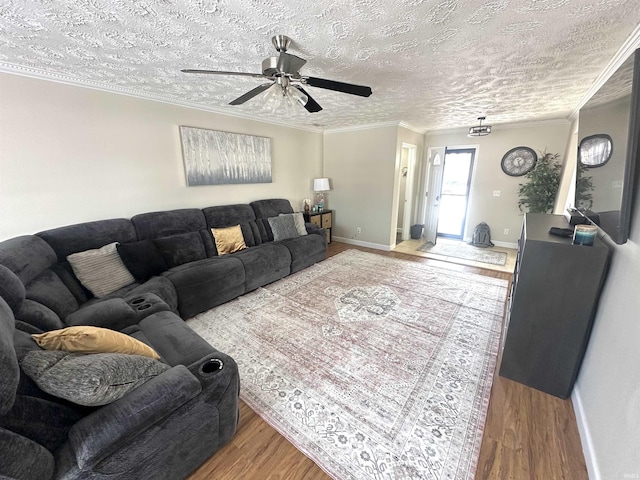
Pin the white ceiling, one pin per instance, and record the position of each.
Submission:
(433, 64)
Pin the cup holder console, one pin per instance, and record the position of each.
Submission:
(146, 304)
(211, 366)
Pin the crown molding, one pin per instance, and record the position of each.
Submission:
(413, 129)
(369, 126)
(627, 48)
(19, 70)
(503, 126)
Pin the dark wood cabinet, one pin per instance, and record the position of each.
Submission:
(322, 219)
(551, 308)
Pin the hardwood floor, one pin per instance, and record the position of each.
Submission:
(528, 435)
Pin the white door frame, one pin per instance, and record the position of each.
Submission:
(431, 188)
(408, 195)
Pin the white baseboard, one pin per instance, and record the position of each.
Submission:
(585, 436)
(360, 243)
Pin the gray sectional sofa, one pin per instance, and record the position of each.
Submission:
(169, 425)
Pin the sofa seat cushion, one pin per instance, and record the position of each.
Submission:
(203, 284)
(305, 251)
(264, 264)
(90, 380)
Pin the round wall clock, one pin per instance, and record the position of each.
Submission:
(519, 161)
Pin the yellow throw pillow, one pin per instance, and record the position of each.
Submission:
(228, 240)
(85, 339)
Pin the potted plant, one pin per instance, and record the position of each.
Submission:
(584, 188)
(538, 194)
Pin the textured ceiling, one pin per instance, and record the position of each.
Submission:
(433, 64)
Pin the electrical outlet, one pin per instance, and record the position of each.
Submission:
(506, 231)
(358, 230)
(496, 193)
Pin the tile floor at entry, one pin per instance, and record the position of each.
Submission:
(411, 247)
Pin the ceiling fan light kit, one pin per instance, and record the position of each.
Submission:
(285, 89)
(480, 130)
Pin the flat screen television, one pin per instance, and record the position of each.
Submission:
(608, 150)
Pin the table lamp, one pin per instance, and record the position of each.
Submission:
(320, 186)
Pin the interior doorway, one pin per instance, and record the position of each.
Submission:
(454, 192)
(405, 192)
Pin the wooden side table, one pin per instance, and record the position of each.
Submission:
(322, 219)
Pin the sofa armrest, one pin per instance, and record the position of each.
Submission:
(114, 313)
(95, 436)
(215, 372)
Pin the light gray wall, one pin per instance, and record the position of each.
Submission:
(607, 393)
(70, 154)
(501, 212)
(361, 165)
(364, 166)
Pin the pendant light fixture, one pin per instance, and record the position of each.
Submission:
(480, 130)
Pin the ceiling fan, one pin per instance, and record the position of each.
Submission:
(286, 82)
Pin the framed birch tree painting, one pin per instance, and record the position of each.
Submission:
(212, 157)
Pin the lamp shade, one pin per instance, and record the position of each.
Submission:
(321, 185)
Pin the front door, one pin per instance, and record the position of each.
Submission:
(456, 184)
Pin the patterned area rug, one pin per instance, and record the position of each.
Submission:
(466, 251)
(374, 367)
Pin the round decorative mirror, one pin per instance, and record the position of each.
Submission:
(595, 150)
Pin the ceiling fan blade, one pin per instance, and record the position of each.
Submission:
(250, 94)
(221, 72)
(312, 106)
(359, 90)
(288, 63)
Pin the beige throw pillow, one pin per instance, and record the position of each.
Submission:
(101, 270)
(298, 220)
(228, 240)
(86, 339)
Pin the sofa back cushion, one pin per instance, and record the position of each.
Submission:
(11, 288)
(153, 225)
(49, 290)
(224, 216)
(264, 209)
(88, 236)
(142, 259)
(182, 248)
(27, 256)
(8, 360)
